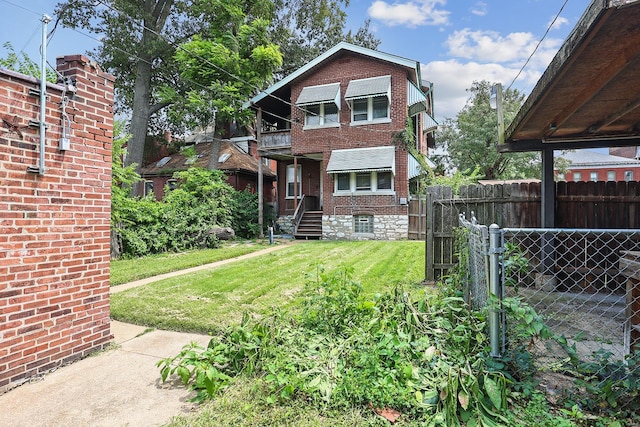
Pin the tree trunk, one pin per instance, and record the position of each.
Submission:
(215, 154)
(155, 16)
(140, 117)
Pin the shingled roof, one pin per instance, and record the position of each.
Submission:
(231, 159)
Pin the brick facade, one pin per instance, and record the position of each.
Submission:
(54, 240)
(292, 136)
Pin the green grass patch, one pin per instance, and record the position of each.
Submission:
(210, 300)
(243, 405)
(129, 270)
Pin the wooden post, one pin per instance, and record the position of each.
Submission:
(548, 199)
(295, 183)
(260, 174)
(428, 241)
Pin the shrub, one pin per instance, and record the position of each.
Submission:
(182, 220)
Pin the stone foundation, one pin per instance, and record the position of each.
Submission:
(285, 224)
(385, 227)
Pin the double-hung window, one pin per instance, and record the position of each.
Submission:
(320, 105)
(325, 114)
(369, 100)
(294, 178)
(363, 170)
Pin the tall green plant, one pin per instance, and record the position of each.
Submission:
(183, 220)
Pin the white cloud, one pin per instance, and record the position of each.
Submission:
(480, 9)
(452, 78)
(560, 22)
(411, 13)
(490, 46)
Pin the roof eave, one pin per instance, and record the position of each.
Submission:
(408, 63)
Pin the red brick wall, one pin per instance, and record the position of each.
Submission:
(602, 173)
(344, 69)
(54, 238)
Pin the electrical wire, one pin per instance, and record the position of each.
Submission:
(194, 55)
(538, 45)
(222, 70)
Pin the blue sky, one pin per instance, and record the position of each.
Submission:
(456, 41)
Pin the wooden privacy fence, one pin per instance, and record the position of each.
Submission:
(591, 205)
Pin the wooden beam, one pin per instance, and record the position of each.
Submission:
(527, 145)
(591, 21)
(613, 117)
(592, 89)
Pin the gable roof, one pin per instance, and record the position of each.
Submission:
(342, 46)
(234, 158)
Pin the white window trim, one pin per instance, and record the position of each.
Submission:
(374, 186)
(172, 181)
(299, 182)
(146, 190)
(322, 124)
(370, 118)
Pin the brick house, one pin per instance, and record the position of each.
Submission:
(55, 204)
(235, 160)
(588, 165)
(331, 127)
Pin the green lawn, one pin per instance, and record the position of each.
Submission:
(207, 301)
(128, 270)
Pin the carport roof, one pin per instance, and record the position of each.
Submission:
(589, 96)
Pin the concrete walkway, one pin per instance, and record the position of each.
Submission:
(117, 387)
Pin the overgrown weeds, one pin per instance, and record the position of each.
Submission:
(424, 358)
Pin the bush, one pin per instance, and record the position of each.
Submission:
(183, 220)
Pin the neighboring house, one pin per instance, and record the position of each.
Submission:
(235, 160)
(331, 125)
(628, 152)
(588, 165)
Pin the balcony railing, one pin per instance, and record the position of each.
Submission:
(275, 140)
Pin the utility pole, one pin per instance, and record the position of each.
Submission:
(495, 101)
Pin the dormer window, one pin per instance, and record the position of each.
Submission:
(321, 105)
(370, 100)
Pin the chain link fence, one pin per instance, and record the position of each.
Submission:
(585, 284)
(477, 280)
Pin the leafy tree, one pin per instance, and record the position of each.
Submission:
(230, 60)
(139, 46)
(471, 138)
(138, 41)
(23, 64)
(306, 28)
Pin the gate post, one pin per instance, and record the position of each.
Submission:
(495, 249)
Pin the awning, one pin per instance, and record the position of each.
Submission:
(416, 99)
(414, 168)
(428, 122)
(319, 94)
(362, 160)
(366, 88)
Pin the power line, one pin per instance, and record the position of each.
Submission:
(537, 45)
(194, 55)
(220, 69)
